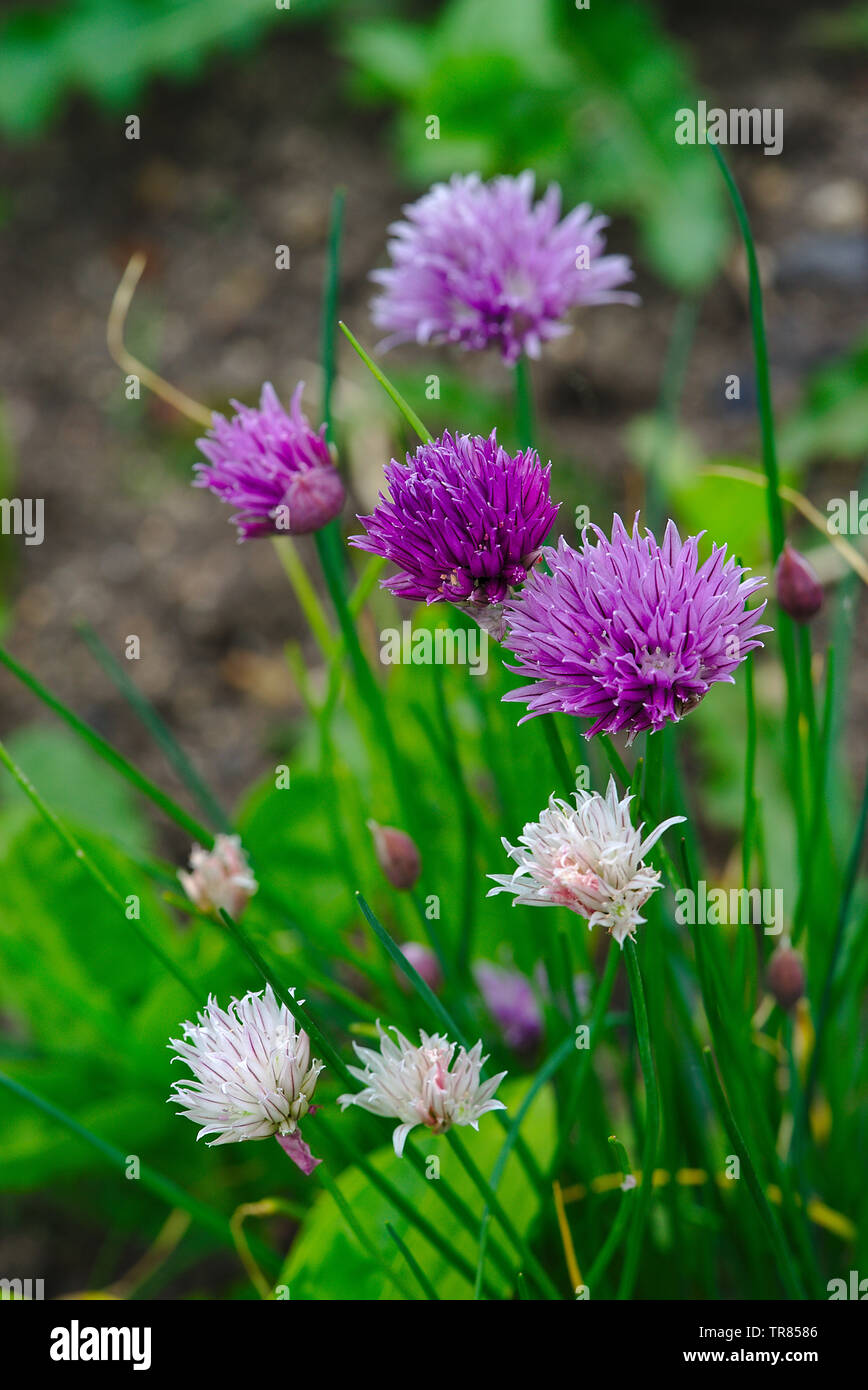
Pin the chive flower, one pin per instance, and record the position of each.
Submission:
(464, 522)
(253, 1075)
(273, 467)
(628, 633)
(589, 858)
(481, 264)
(435, 1085)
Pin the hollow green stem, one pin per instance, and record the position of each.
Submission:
(652, 1125)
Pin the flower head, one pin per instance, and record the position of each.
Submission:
(253, 1074)
(219, 878)
(587, 857)
(465, 521)
(273, 467)
(421, 1086)
(481, 264)
(629, 633)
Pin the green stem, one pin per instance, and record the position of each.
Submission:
(84, 859)
(544, 1075)
(764, 390)
(424, 1282)
(406, 410)
(332, 1186)
(158, 729)
(595, 1029)
(108, 754)
(621, 1222)
(405, 1207)
(154, 1182)
(773, 501)
(495, 1206)
(524, 414)
(652, 1125)
(767, 1216)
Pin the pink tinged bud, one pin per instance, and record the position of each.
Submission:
(219, 879)
(786, 977)
(799, 591)
(397, 855)
(295, 1148)
(313, 499)
(424, 962)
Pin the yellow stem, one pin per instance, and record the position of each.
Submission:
(117, 347)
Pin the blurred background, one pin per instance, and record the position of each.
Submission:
(250, 116)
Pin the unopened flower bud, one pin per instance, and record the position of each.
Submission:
(397, 855)
(799, 591)
(424, 962)
(512, 1003)
(786, 977)
(220, 878)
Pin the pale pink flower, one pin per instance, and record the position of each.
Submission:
(421, 1086)
(219, 878)
(253, 1075)
(589, 858)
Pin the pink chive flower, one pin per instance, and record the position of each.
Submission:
(219, 879)
(465, 522)
(481, 264)
(628, 633)
(432, 1085)
(588, 858)
(273, 467)
(253, 1075)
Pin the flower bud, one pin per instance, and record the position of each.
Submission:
(785, 977)
(424, 962)
(397, 855)
(510, 999)
(313, 499)
(220, 878)
(799, 591)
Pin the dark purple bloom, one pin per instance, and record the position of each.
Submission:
(512, 1003)
(273, 467)
(465, 521)
(628, 633)
(481, 264)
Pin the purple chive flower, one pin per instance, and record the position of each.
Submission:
(510, 999)
(481, 264)
(629, 633)
(273, 467)
(465, 521)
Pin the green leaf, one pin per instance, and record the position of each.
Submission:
(317, 1266)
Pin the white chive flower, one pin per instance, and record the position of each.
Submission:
(253, 1074)
(219, 878)
(421, 1086)
(587, 857)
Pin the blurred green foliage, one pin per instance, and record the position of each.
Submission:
(110, 48)
(587, 99)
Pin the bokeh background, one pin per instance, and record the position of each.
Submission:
(250, 117)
